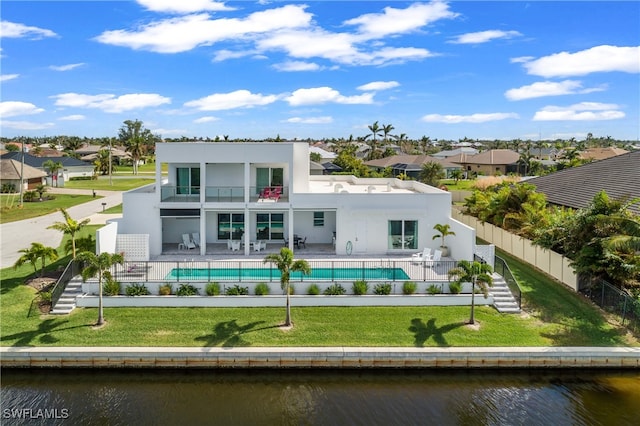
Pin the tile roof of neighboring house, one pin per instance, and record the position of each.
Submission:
(619, 176)
(602, 153)
(37, 162)
(451, 152)
(323, 153)
(10, 170)
(410, 159)
(493, 157)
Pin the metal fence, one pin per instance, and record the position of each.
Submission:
(502, 268)
(612, 300)
(256, 270)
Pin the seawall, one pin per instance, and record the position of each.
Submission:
(316, 357)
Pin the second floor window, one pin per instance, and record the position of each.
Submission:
(188, 180)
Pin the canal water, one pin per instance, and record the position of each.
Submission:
(320, 397)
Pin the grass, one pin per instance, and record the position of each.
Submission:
(39, 208)
(144, 168)
(462, 185)
(102, 183)
(557, 317)
(113, 210)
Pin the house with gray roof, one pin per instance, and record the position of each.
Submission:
(71, 167)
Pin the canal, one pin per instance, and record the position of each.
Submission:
(320, 397)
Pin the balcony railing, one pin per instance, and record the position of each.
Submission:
(224, 194)
(271, 194)
(180, 193)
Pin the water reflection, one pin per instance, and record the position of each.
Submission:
(322, 397)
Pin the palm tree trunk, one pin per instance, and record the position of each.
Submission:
(473, 294)
(100, 313)
(287, 320)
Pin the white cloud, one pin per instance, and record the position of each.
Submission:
(398, 21)
(473, 118)
(7, 77)
(13, 108)
(205, 120)
(67, 67)
(584, 111)
(111, 103)
(187, 32)
(232, 100)
(26, 125)
(597, 59)
(484, 36)
(173, 6)
(548, 88)
(310, 120)
(378, 85)
(74, 117)
(14, 30)
(297, 66)
(323, 95)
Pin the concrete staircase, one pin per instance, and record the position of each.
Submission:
(503, 299)
(67, 301)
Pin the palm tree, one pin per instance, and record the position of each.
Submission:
(98, 265)
(69, 227)
(375, 131)
(137, 140)
(431, 173)
(31, 255)
(477, 274)
(285, 263)
(386, 131)
(53, 167)
(457, 174)
(444, 230)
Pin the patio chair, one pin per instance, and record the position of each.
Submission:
(302, 243)
(437, 255)
(196, 238)
(235, 245)
(186, 240)
(421, 257)
(258, 245)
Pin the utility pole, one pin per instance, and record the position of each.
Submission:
(110, 171)
(22, 175)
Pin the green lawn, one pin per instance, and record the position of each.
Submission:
(462, 185)
(102, 183)
(556, 317)
(113, 210)
(38, 208)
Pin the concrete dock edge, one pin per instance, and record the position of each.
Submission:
(325, 357)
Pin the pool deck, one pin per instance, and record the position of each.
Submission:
(321, 357)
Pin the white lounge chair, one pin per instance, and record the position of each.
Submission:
(235, 245)
(437, 255)
(196, 239)
(186, 240)
(257, 246)
(229, 244)
(421, 257)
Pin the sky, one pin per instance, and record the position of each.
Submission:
(321, 69)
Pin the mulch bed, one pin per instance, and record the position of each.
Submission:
(44, 283)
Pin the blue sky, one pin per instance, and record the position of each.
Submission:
(322, 69)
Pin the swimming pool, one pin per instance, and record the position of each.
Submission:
(273, 274)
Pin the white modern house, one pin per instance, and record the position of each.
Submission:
(263, 192)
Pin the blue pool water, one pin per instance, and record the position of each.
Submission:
(273, 274)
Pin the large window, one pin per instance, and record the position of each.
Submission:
(267, 177)
(270, 226)
(318, 218)
(403, 234)
(188, 180)
(230, 226)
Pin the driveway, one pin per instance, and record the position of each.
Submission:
(18, 235)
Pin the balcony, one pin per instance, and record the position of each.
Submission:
(223, 194)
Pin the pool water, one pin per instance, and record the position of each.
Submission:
(273, 274)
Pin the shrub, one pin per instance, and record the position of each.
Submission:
(382, 289)
(45, 296)
(313, 290)
(409, 287)
(111, 287)
(360, 287)
(292, 289)
(8, 188)
(187, 290)
(434, 289)
(262, 289)
(212, 289)
(335, 289)
(165, 289)
(236, 290)
(136, 289)
(455, 287)
(29, 195)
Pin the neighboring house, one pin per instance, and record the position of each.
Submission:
(10, 175)
(411, 165)
(71, 167)
(325, 156)
(492, 162)
(90, 153)
(451, 152)
(596, 154)
(264, 191)
(575, 187)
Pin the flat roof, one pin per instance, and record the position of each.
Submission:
(345, 186)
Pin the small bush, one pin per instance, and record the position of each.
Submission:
(212, 289)
(111, 287)
(335, 289)
(434, 289)
(29, 195)
(82, 177)
(382, 289)
(313, 290)
(409, 287)
(8, 188)
(360, 287)
(165, 289)
(292, 289)
(262, 289)
(187, 290)
(136, 289)
(45, 296)
(236, 290)
(455, 287)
